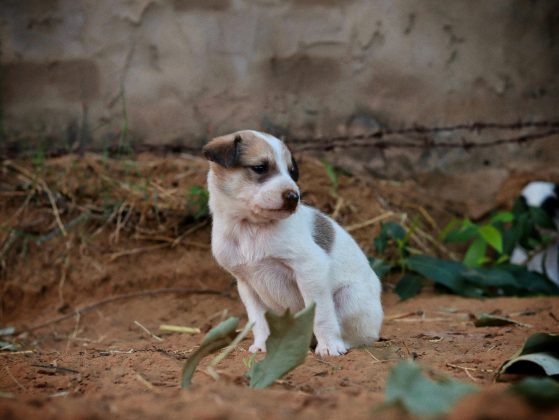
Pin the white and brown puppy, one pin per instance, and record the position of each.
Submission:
(285, 254)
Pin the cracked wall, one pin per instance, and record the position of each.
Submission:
(180, 71)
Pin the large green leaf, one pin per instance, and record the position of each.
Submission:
(409, 387)
(218, 337)
(529, 281)
(492, 236)
(547, 362)
(286, 346)
(539, 354)
(542, 392)
(409, 285)
(493, 276)
(446, 273)
(476, 253)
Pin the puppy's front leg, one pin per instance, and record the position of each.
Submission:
(256, 314)
(314, 288)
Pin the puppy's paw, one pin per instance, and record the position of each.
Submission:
(257, 347)
(333, 347)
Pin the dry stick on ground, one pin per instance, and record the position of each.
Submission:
(43, 185)
(134, 251)
(15, 380)
(54, 209)
(444, 250)
(148, 332)
(145, 382)
(21, 208)
(426, 215)
(369, 222)
(466, 370)
(407, 349)
(190, 231)
(404, 315)
(338, 207)
(143, 293)
(11, 353)
(64, 273)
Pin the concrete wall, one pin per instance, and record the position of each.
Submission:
(179, 70)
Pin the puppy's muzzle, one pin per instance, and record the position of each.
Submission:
(290, 200)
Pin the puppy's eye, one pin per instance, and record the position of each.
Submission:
(294, 171)
(260, 169)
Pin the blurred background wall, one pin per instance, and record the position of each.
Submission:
(179, 71)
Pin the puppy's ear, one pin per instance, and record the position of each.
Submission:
(224, 151)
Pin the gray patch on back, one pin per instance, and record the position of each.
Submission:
(323, 232)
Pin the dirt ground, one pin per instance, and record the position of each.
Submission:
(112, 360)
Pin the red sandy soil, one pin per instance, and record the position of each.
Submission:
(102, 364)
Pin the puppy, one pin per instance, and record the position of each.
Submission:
(546, 196)
(285, 254)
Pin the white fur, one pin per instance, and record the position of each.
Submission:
(536, 192)
(278, 265)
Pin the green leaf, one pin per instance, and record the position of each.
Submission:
(492, 276)
(286, 346)
(539, 354)
(548, 362)
(541, 218)
(502, 217)
(502, 259)
(453, 225)
(409, 286)
(389, 231)
(218, 337)
(462, 235)
(394, 230)
(476, 253)
(5, 346)
(530, 282)
(541, 392)
(419, 395)
(490, 320)
(7, 331)
(443, 272)
(492, 236)
(380, 267)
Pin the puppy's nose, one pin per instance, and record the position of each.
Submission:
(290, 200)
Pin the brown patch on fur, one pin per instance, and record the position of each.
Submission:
(254, 150)
(323, 232)
(224, 150)
(242, 148)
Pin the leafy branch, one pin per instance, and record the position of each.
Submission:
(485, 269)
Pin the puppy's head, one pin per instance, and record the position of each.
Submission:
(256, 173)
